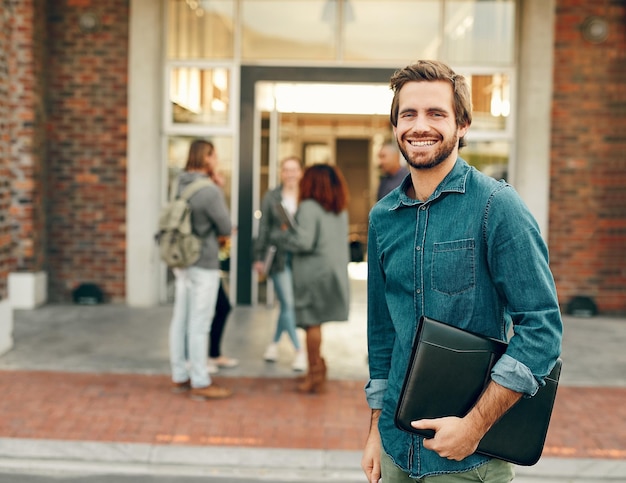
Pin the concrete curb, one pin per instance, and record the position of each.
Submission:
(263, 464)
(136, 458)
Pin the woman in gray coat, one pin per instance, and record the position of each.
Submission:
(319, 244)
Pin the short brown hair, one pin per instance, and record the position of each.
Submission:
(197, 152)
(428, 71)
(326, 185)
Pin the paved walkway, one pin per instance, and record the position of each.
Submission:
(89, 385)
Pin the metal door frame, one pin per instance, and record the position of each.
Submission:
(249, 76)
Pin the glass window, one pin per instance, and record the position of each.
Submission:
(391, 30)
(479, 31)
(491, 101)
(285, 29)
(200, 95)
(200, 29)
(474, 31)
(178, 150)
(490, 157)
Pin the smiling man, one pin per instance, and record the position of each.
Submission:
(462, 248)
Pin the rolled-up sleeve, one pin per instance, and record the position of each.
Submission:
(515, 376)
(375, 392)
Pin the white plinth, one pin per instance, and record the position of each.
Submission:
(28, 290)
(6, 326)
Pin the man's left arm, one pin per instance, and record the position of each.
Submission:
(520, 272)
(518, 264)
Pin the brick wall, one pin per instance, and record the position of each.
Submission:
(22, 138)
(588, 159)
(6, 239)
(28, 136)
(87, 147)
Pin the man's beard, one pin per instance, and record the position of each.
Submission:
(438, 157)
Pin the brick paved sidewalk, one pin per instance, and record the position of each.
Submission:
(131, 408)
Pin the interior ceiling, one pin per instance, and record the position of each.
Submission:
(313, 119)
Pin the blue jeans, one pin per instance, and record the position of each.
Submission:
(283, 285)
(194, 306)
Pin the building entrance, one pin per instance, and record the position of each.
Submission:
(268, 133)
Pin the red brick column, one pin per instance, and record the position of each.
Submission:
(28, 149)
(6, 238)
(23, 146)
(87, 76)
(588, 159)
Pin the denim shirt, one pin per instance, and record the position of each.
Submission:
(470, 256)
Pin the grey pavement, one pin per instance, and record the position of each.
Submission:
(120, 339)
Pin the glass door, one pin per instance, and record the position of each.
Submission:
(266, 159)
(319, 123)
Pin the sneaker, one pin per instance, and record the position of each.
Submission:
(299, 363)
(178, 387)
(225, 362)
(211, 367)
(210, 392)
(271, 353)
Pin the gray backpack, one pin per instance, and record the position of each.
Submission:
(178, 246)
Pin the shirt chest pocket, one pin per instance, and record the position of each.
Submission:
(453, 266)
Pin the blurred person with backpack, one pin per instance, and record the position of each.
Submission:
(197, 284)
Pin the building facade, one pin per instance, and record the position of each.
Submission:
(99, 99)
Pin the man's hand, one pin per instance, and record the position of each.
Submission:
(453, 438)
(371, 454)
(457, 438)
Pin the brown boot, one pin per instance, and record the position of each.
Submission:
(315, 381)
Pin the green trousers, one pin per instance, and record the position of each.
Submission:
(495, 471)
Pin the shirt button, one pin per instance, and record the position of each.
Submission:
(419, 290)
(423, 207)
(418, 248)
